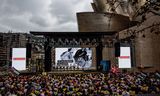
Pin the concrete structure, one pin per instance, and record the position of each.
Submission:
(124, 7)
(102, 22)
(144, 37)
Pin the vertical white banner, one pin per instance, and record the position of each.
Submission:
(124, 61)
(19, 58)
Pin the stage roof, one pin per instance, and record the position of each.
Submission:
(76, 34)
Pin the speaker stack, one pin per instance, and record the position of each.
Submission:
(117, 49)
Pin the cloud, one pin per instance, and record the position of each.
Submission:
(63, 12)
(40, 21)
(41, 15)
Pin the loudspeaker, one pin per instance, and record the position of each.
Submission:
(29, 49)
(99, 56)
(10, 54)
(117, 49)
(47, 62)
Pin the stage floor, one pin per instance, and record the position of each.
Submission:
(73, 71)
(61, 72)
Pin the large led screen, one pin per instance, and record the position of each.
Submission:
(19, 58)
(125, 58)
(79, 57)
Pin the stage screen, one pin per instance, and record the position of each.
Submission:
(19, 58)
(78, 57)
(125, 58)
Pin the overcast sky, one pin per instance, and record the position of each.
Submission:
(41, 15)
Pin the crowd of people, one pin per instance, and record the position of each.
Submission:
(88, 84)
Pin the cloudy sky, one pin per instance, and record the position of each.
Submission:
(41, 15)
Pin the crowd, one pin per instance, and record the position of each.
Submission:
(89, 84)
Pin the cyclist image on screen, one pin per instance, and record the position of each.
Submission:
(81, 58)
(67, 55)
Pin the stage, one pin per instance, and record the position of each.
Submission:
(61, 72)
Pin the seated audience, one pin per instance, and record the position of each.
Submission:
(91, 84)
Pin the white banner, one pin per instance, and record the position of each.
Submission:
(124, 61)
(19, 58)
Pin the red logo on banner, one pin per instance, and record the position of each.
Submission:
(19, 58)
(124, 57)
